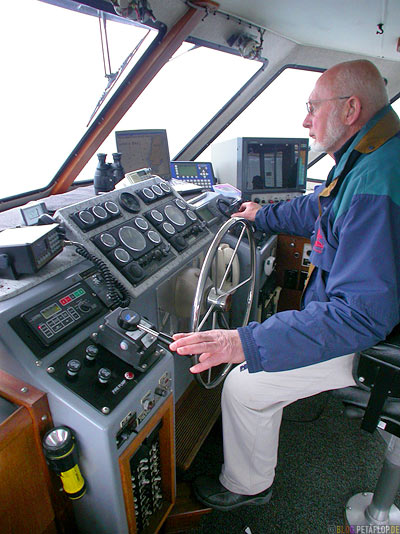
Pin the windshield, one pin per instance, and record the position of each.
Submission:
(55, 62)
(56, 77)
(183, 97)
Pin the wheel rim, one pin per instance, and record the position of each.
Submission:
(217, 301)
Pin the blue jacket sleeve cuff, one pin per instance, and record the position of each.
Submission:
(250, 350)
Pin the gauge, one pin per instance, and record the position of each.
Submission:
(111, 207)
(154, 236)
(175, 215)
(141, 223)
(168, 228)
(157, 190)
(156, 215)
(132, 238)
(108, 240)
(148, 193)
(165, 187)
(86, 217)
(121, 255)
(99, 212)
(129, 202)
(191, 215)
(180, 203)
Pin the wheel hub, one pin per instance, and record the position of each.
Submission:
(219, 300)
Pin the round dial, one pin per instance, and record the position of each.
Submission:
(99, 212)
(148, 193)
(129, 202)
(156, 215)
(132, 238)
(180, 203)
(175, 215)
(165, 187)
(167, 227)
(111, 207)
(191, 215)
(108, 240)
(157, 190)
(154, 236)
(121, 255)
(86, 217)
(141, 223)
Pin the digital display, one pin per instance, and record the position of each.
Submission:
(31, 214)
(144, 148)
(274, 164)
(50, 310)
(206, 214)
(186, 170)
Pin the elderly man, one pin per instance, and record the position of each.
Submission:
(352, 299)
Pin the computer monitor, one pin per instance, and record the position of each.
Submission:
(144, 148)
(261, 164)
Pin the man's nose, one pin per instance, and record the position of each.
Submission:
(307, 121)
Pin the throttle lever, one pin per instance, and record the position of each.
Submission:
(130, 320)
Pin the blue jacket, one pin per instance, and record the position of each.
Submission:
(352, 299)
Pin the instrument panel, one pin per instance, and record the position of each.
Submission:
(140, 233)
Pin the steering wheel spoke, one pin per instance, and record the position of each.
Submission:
(211, 307)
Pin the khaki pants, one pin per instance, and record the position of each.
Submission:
(252, 405)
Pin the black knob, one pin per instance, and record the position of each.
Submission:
(196, 229)
(104, 375)
(165, 250)
(136, 271)
(91, 352)
(128, 319)
(84, 306)
(157, 254)
(73, 368)
(179, 242)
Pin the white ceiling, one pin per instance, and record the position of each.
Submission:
(346, 25)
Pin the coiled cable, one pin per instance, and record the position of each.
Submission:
(117, 292)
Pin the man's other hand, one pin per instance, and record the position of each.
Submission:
(214, 346)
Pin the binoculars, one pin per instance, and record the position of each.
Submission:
(107, 175)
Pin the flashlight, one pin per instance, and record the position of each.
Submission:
(60, 449)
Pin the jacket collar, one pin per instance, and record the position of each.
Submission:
(383, 125)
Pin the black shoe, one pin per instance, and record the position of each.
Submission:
(212, 493)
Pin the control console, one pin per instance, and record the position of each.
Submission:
(140, 232)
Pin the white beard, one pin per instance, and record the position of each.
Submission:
(334, 132)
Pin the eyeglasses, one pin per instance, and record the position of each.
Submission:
(310, 104)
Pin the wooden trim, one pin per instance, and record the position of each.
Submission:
(117, 109)
(35, 401)
(167, 458)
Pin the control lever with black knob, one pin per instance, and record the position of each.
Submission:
(130, 320)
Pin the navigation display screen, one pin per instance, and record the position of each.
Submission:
(144, 148)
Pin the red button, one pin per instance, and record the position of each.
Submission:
(129, 375)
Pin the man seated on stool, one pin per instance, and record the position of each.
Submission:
(352, 297)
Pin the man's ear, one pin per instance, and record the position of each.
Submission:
(352, 110)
